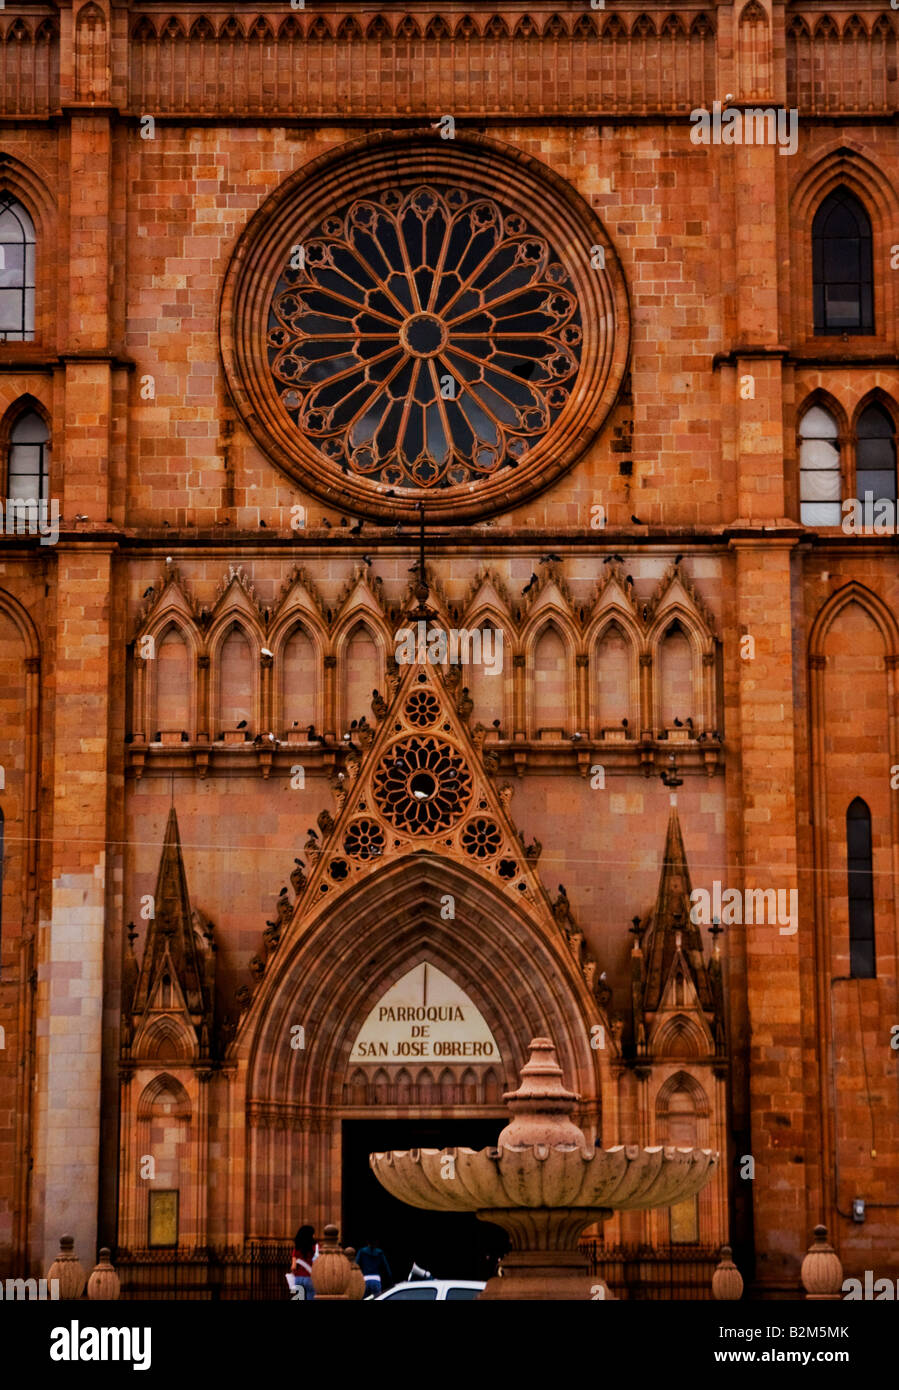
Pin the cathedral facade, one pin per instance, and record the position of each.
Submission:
(449, 531)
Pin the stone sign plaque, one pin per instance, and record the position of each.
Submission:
(425, 1017)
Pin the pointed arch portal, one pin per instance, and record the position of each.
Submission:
(315, 1111)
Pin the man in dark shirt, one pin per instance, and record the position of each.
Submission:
(373, 1263)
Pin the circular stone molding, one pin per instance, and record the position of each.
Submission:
(408, 319)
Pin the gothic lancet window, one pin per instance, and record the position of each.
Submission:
(29, 459)
(820, 484)
(842, 266)
(875, 455)
(862, 965)
(16, 272)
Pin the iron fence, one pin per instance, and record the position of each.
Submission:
(254, 1272)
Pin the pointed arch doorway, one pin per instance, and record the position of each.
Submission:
(314, 1113)
(424, 1072)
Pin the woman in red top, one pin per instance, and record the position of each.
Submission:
(305, 1251)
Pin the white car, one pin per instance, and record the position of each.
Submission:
(429, 1290)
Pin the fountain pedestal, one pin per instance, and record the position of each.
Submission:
(543, 1184)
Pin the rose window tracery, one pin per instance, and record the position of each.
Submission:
(422, 785)
(481, 838)
(422, 708)
(424, 338)
(364, 839)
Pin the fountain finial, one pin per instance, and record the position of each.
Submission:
(541, 1105)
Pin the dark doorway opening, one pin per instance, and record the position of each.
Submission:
(449, 1245)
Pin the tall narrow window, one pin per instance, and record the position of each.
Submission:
(875, 455)
(842, 266)
(862, 965)
(16, 272)
(819, 469)
(29, 459)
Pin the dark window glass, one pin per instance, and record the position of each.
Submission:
(841, 266)
(456, 1295)
(29, 459)
(875, 455)
(16, 272)
(861, 891)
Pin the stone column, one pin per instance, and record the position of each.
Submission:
(766, 698)
(70, 968)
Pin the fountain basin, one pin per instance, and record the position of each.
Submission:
(543, 1184)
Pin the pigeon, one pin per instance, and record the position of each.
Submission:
(689, 723)
(530, 584)
(548, 559)
(242, 724)
(326, 523)
(283, 893)
(678, 723)
(148, 593)
(624, 723)
(629, 580)
(636, 520)
(677, 559)
(356, 528)
(367, 560)
(313, 737)
(343, 521)
(576, 738)
(261, 522)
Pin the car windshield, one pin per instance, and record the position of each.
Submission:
(455, 1293)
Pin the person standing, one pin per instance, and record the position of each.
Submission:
(373, 1263)
(305, 1252)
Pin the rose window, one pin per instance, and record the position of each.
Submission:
(424, 338)
(481, 838)
(422, 708)
(422, 785)
(364, 839)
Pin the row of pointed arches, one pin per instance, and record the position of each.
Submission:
(410, 26)
(619, 673)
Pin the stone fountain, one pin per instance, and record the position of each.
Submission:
(543, 1184)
